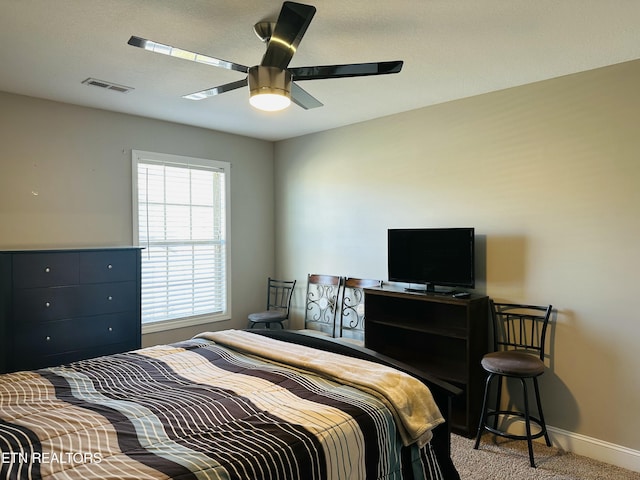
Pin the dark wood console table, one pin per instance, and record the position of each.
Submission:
(440, 335)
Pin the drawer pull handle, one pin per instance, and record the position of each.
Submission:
(110, 329)
(47, 270)
(109, 298)
(109, 267)
(48, 338)
(47, 304)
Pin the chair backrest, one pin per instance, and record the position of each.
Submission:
(323, 292)
(279, 294)
(520, 327)
(352, 306)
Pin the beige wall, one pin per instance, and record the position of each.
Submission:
(65, 181)
(548, 174)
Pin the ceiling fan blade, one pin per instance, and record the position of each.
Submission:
(184, 54)
(349, 70)
(216, 90)
(291, 26)
(302, 98)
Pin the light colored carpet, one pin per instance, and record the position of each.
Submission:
(504, 459)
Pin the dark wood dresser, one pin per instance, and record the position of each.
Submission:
(59, 306)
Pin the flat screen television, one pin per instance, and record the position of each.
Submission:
(432, 256)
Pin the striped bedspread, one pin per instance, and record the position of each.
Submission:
(198, 410)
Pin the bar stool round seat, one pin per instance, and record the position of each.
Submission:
(267, 317)
(513, 364)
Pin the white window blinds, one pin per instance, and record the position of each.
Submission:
(182, 225)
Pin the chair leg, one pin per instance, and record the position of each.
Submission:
(543, 423)
(498, 402)
(483, 416)
(527, 421)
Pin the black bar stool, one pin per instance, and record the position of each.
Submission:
(519, 333)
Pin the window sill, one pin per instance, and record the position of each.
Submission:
(152, 327)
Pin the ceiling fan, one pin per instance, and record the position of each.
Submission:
(272, 83)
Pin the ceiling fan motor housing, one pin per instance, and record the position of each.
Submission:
(269, 80)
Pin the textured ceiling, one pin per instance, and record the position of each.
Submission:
(451, 50)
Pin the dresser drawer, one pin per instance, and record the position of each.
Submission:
(108, 266)
(107, 298)
(74, 334)
(45, 269)
(37, 305)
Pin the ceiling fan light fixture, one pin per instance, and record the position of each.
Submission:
(270, 88)
(270, 102)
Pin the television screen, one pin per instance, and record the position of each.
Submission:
(432, 256)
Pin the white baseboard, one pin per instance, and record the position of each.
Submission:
(593, 448)
(582, 445)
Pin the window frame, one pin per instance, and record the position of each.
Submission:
(139, 156)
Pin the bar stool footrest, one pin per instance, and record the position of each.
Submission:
(502, 433)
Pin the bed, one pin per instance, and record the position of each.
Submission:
(267, 404)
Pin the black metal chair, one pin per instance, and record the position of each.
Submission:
(323, 292)
(519, 333)
(279, 294)
(352, 307)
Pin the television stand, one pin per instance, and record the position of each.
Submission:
(440, 335)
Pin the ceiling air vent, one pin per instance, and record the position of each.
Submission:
(107, 85)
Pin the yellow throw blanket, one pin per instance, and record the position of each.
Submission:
(409, 400)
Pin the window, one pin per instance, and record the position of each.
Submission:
(181, 219)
